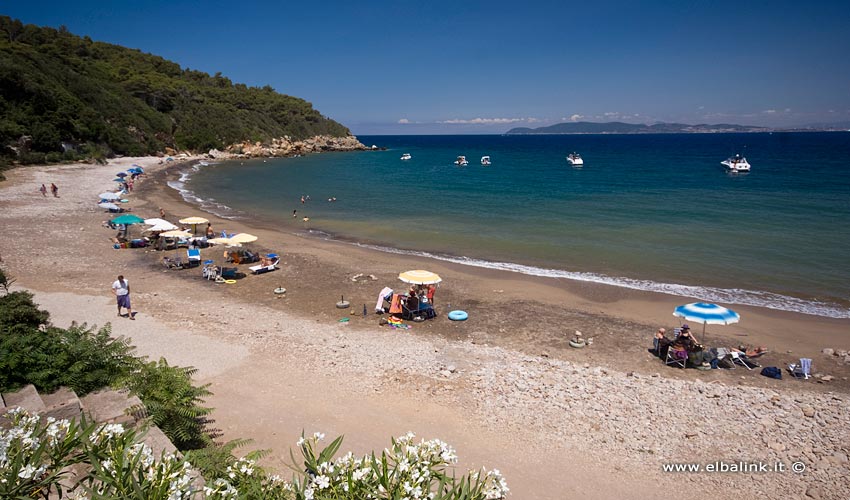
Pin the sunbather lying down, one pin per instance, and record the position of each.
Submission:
(751, 352)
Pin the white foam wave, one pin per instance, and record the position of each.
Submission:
(709, 294)
(207, 205)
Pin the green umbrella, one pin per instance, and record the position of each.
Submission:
(128, 219)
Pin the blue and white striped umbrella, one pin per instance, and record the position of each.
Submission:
(701, 312)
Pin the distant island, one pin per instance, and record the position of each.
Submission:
(663, 128)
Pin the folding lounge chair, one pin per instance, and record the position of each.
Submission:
(210, 271)
(740, 358)
(675, 359)
(193, 257)
(802, 370)
(385, 295)
(260, 269)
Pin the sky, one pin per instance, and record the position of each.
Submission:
(448, 67)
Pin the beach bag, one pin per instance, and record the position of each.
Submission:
(772, 372)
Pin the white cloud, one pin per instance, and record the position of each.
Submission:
(404, 120)
(612, 113)
(769, 111)
(487, 121)
(576, 117)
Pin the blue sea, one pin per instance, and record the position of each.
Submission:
(649, 212)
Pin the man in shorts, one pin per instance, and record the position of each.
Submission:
(121, 289)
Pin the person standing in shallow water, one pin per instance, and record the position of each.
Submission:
(55, 190)
(121, 289)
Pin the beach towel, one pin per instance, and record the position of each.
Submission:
(397, 323)
(395, 304)
(386, 292)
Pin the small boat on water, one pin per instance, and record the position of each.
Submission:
(203, 163)
(485, 160)
(575, 159)
(406, 156)
(736, 163)
(461, 161)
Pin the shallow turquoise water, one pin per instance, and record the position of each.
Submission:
(651, 212)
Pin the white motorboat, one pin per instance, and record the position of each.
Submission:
(485, 160)
(736, 163)
(406, 156)
(461, 161)
(575, 159)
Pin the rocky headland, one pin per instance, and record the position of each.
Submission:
(286, 146)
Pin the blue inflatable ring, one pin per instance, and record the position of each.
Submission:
(458, 315)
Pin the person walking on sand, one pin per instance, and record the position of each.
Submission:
(54, 189)
(121, 289)
(43, 190)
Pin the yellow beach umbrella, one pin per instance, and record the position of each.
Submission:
(420, 277)
(244, 238)
(224, 241)
(177, 233)
(194, 221)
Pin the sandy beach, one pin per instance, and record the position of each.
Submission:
(504, 387)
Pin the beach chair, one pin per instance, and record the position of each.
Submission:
(210, 271)
(260, 269)
(193, 257)
(740, 358)
(172, 262)
(723, 354)
(676, 357)
(802, 370)
(385, 295)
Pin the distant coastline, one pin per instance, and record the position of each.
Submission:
(569, 128)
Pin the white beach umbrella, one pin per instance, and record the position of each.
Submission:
(162, 226)
(108, 206)
(109, 196)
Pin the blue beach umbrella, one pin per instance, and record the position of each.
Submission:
(121, 174)
(702, 312)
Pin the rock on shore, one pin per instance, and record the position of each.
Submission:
(285, 146)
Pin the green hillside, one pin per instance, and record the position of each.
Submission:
(64, 97)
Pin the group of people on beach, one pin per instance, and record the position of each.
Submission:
(53, 189)
(687, 350)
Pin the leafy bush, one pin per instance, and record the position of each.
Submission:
(34, 352)
(172, 402)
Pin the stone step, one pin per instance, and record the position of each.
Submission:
(113, 407)
(27, 398)
(63, 403)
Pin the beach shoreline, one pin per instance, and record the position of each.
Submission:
(515, 342)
